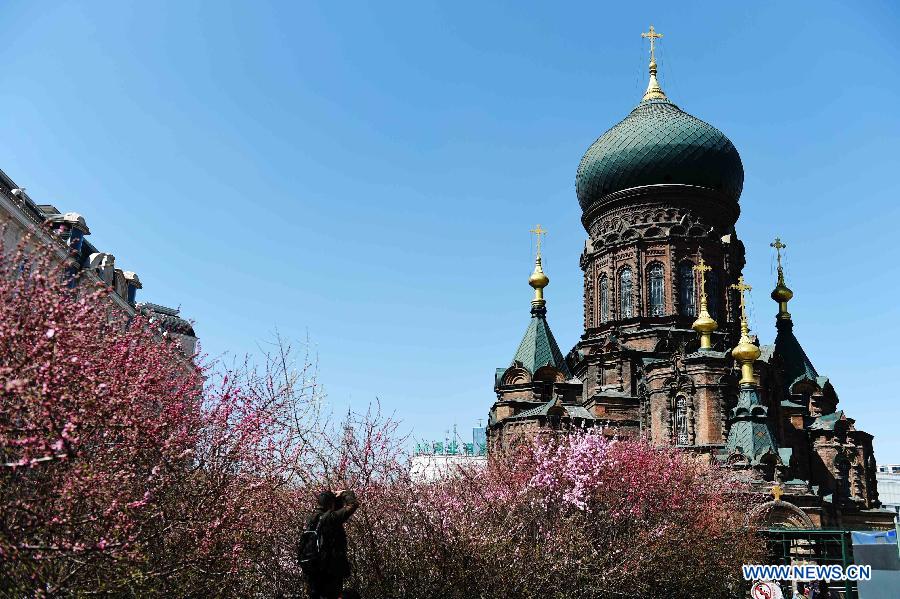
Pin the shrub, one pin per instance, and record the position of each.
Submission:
(578, 516)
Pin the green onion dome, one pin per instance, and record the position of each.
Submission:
(658, 143)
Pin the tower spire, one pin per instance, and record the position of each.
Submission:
(781, 294)
(654, 91)
(704, 324)
(746, 353)
(538, 280)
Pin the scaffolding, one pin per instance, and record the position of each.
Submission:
(813, 546)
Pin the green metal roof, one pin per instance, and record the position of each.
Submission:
(749, 432)
(658, 143)
(827, 422)
(538, 347)
(796, 363)
(544, 409)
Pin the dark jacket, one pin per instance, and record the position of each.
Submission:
(330, 524)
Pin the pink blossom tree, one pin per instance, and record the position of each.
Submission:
(123, 465)
(578, 516)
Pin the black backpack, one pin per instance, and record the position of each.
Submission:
(310, 554)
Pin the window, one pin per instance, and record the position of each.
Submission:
(76, 237)
(712, 294)
(686, 289)
(657, 287)
(625, 310)
(681, 430)
(604, 299)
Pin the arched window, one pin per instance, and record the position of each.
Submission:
(681, 429)
(657, 289)
(686, 289)
(625, 310)
(604, 298)
(713, 294)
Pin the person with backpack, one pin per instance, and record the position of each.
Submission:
(322, 549)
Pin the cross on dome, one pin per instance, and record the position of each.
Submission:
(652, 36)
(538, 231)
(778, 247)
(742, 287)
(654, 91)
(703, 268)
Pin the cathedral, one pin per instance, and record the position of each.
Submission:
(666, 352)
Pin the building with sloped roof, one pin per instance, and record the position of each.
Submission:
(667, 352)
(64, 234)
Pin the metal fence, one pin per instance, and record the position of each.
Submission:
(824, 547)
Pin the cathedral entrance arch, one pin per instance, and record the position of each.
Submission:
(780, 514)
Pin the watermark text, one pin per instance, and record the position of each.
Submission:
(806, 572)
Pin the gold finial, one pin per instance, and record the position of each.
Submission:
(654, 91)
(746, 353)
(704, 324)
(538, 231)
(777, 491)
(781, 294)
(538, 280)
(653, 36)
(742, 287)
(778, 247)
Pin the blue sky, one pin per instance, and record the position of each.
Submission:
(368, 173)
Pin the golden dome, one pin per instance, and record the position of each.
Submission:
(705, 323)
(781, 293)
(746, 351)
(538, 279)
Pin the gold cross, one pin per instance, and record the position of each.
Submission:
(702, 268)
(653, 37)
(778, 247)
(742, 287)
(777, 491)
(538, 231)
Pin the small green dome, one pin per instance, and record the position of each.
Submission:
(658, 143)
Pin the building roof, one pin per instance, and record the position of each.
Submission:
(166, 318)
(749, 431)
(827, 422)
(658, 143)
(795, 362)
(538, 347)
(544, 410)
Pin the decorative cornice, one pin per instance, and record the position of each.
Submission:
(662, 192)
